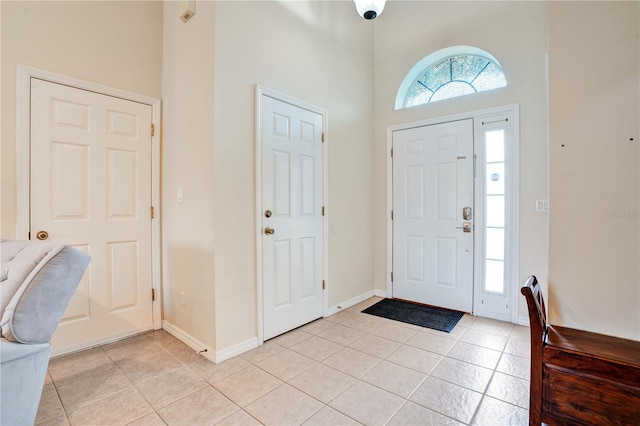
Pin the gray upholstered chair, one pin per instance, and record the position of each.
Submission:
(37, 282)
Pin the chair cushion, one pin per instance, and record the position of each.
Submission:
(21, 260)
(50, 275)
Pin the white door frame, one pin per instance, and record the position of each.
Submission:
(513, 111)
(260, 92)
(23, 143)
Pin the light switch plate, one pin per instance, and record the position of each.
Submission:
(542, 206)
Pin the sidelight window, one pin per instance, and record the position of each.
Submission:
(494, 197)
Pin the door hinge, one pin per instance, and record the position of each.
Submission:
(152, 212)
(153, 294)
(323, 286)
(391, 152)
(392, 277)
(391, 214)
(153, 129)
(29, 236)
(322, 137)
(322, 210)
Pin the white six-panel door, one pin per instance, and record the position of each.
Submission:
(91, 189)
(292, 208)
(432, 183)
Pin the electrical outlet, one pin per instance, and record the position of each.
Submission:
(183, 299)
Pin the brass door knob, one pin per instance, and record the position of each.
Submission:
(269, 231)
(42, 235)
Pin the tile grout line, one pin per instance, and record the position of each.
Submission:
(208, 384)
(405, 399)
(495, 370)
(132, 385)
(154, 409)
(55, 389)
(68, 412)
(357, 379)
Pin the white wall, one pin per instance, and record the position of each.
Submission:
(594, 72)
(515, 33)
(323, 53)
(319, 52)
(117, 44)
(187, 162)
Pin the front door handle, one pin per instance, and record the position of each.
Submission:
(466, 227)
(269, 231)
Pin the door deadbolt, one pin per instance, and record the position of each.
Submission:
(267, 213)
(269, 231)
(466, 213)
(42, 235)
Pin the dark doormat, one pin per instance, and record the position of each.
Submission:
(423, 315)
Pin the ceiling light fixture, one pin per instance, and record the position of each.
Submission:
(369, 9)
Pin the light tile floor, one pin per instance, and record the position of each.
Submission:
(347, 369)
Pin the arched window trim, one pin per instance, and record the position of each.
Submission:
(432, 59)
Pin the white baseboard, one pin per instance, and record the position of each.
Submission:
(56, 352)
(349, 303)
(189, 340)
(380, 293)
(252, 343)
(237, 349)
(213, 356)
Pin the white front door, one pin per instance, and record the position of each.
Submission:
(292, 246)
(432, 184)
(91, 189)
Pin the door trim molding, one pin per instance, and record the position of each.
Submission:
(23, 143)
(261, 91)
(514, 267)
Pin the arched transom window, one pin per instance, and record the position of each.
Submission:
(447, 75)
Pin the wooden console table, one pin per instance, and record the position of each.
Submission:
(579, 377)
